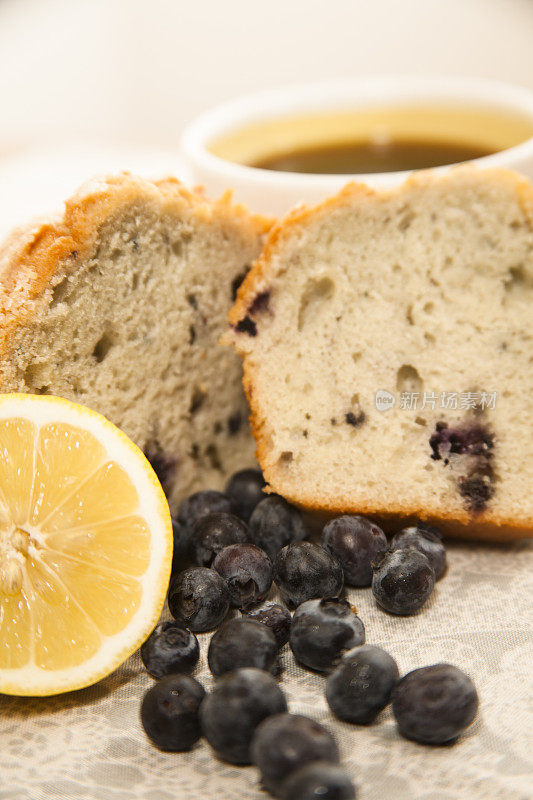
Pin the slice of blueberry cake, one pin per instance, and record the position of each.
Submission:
(120, 305)
(387, 340)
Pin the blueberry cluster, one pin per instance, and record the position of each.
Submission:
(242, 541)
(402, 575)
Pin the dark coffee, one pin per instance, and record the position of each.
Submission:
(368, 157)
(372, 140)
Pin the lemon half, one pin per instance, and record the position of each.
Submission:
(85, 546)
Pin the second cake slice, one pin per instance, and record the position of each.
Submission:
(387, 344)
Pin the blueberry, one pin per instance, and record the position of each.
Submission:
(426, 539)
(433, 705)
(201, 504)
(274, 616)
(247, 572)
(181, 544)
(303, 570)
(403, 581)
(274, 524)
(357, 543)
(286, 742)
(230, 714)
(245, 490)
(213, 533)
(361, 685)
(318, 780)
(169, 712)
(240, 643)
(322, 630)
(170, 648)
(198, 599)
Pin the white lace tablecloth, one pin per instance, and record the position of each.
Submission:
(89, 745)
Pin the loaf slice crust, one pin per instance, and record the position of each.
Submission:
(120, 304)
(423, 292)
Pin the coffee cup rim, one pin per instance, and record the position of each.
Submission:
(333, 95)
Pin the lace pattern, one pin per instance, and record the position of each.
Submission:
(89, 745)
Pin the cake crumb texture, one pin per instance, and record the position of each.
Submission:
(120, 305)
(423, 294)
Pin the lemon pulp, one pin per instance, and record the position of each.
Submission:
(78, 539)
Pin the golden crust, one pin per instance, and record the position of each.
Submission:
(31, 256)
(487, 525)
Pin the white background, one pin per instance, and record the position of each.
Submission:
(84, 84)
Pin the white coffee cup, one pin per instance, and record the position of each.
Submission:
(273, 192)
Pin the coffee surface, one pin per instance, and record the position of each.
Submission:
(373, 140)
(371, 156)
